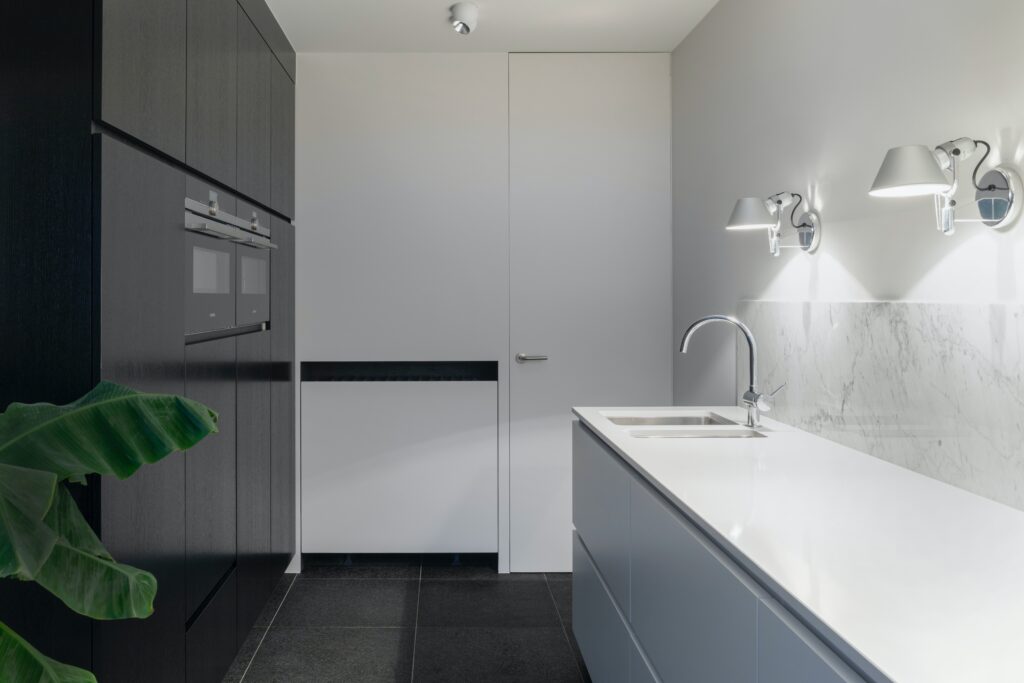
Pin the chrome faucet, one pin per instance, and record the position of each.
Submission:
(755, 402)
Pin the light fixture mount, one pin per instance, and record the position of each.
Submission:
(808, 232)
(996, 198)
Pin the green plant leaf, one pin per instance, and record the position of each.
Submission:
(81, 572)
(25, 540)
(19, 662)
(66, 520)
(112, 430)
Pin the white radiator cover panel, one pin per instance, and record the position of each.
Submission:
(399, 467)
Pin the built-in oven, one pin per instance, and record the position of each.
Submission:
(227, 278)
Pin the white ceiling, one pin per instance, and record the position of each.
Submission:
(505, 25)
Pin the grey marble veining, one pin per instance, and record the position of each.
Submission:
(937, 388)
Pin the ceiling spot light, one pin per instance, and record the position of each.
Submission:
(464, 17)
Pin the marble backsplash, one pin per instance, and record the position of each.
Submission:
(936, 388)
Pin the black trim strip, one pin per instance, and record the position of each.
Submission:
(400, 371)
(200, 337)
(209, 598)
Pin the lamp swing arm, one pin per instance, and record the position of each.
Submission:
(952, 152)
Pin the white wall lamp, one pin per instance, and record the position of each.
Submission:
(915, 171)
(752, 213)
(464, 16)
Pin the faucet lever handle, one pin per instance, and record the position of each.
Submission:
(764, 401)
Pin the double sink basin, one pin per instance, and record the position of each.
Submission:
(685, 425)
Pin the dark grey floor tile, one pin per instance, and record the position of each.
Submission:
(574, 646)
(559, 576)
(494, 655)
(486, 603)
(360, 567)
(349, 602)
(244, 656)
(274, 602)
(360, 655)
(561, 593)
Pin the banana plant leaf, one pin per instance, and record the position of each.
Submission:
(112, 430)
(84, 576)
(19, 661)
(25, 539)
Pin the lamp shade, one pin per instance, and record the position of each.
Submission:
(750, 213)
(910, 171)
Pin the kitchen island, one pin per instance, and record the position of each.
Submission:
(782, 557)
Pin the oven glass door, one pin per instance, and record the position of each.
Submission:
(253, 286)
(209, 283)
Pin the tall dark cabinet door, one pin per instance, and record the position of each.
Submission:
(142, 71)
(256, 576)
(142, 519)
(254, 60)
(210, 639)
(282, 397)
(210, 473)
(282, 141)
(212, 120)
(46, 262)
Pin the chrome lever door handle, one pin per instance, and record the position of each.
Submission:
(526, 358)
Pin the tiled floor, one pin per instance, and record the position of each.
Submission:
(413, 619)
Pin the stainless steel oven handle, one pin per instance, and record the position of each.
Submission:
(256, 242)
(211, 229)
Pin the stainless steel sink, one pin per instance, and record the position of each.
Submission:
(671, 420)
(737, 433)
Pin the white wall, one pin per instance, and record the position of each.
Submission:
(807, 96)
(402, 182)
(402, 210)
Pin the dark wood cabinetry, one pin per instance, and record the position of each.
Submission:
(142, 67)
(212, 119)
(48, 332)
(210, 642)
(114, 111)
(282, 396)
(256, 573)
(142, 519)
(282, 141)
(210, 472)
(254, 63)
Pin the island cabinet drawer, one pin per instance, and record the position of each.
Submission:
(599, 630)
(789, 653)
(693, 614)
(600, 508)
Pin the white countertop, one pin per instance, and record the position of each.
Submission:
(924, 580)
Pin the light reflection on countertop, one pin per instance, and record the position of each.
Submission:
(921, 578)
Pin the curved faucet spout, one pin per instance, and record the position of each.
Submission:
(751, 398)
(751, 343)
